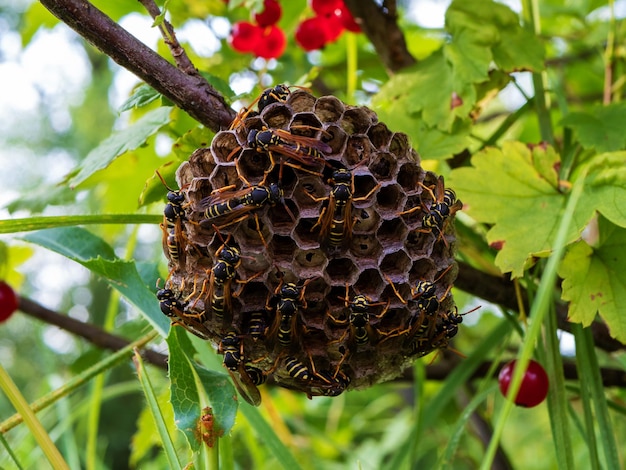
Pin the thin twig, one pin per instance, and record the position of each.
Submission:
(190, 92)
(169, 36)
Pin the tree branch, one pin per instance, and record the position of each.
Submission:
(379, 23)
(501, 291)
(190, 92)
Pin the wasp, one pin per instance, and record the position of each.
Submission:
(444, 204)
(297, 369)
(222, 273)
(307, 151)
(235, 206)
(327, 384)
(335, 220)
(257, 325)
(231, 347)
(175, 308)
(172, 227)
(288, 299)
(276, 94)
(257, 376)
(360, 329)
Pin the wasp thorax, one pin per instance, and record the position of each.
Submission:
(311, 248)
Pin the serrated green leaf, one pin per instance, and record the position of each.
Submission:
(184, 394)
(141, 96)
(120, 142)
(505, 188)
(96, 255)
(594, 280)
(198, 137)
(606, 186)
(600, 128)
(220, 85)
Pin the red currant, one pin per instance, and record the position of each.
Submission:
(534, 387)
(8, 301)
(311, 34)
(333, 27)
(272, 43)
(325, 7)
(245, 36)
(270, 15)
(348, 20)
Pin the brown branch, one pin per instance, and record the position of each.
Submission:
(91, 333)
(500, 290)
(190, 92)
(379, 23)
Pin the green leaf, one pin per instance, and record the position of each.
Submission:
(507, 188)
(120, 142)
(222, 396)
(183, 389)
(39, 223)
(96, 255)
(594, 280)
(141, 96)
(606, 186)
(600, 128)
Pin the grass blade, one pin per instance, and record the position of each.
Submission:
(153, 405)
(39, 223)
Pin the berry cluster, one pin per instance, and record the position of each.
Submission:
(264, 38)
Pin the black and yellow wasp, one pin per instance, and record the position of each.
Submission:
(335, 219)
(172, 226)
(232, 347)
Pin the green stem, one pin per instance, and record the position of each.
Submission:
(38, 223)
(79, 380)
(538, 312)
(352, 55)
(39, 433)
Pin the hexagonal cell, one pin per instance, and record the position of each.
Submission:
(222, 147)
(341, 270)
(365, 247)
(401, 289)
(367, 219)
(336, 300)
(306, 185)
(201, 162)
(328, 109)
(305, 124)
(370, 283)
(380, 135)
(198, 189)
(301, 101)
(276, 116)
(315, 295)
(391, 234)
(304, 235)
(364, 185)
(335, 137)
(282, 248)
(283, 217)
(184, 173)
(358, 149)
(419, 244)
(399, 145)
(308, 263)
(253, 263)
(409, 176)
(356, 120)
(396, 264)
(252, 294)
(422, 270)
(253, 165)
(254, 233)
(383, 166)
(225, 175)
(413, 212)
(390, 199)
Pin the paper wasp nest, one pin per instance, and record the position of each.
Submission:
(337, 283)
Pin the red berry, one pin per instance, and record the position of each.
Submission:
(325, 7)
(311, 34)
(348, 20)
(8, 301)
(534, 388)
(272, 43)
(245, 36)
(333, 27)
(270, 15)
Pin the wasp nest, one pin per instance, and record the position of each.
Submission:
(310, 246)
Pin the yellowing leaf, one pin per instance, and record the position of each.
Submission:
(507, 188)
(594, 280)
